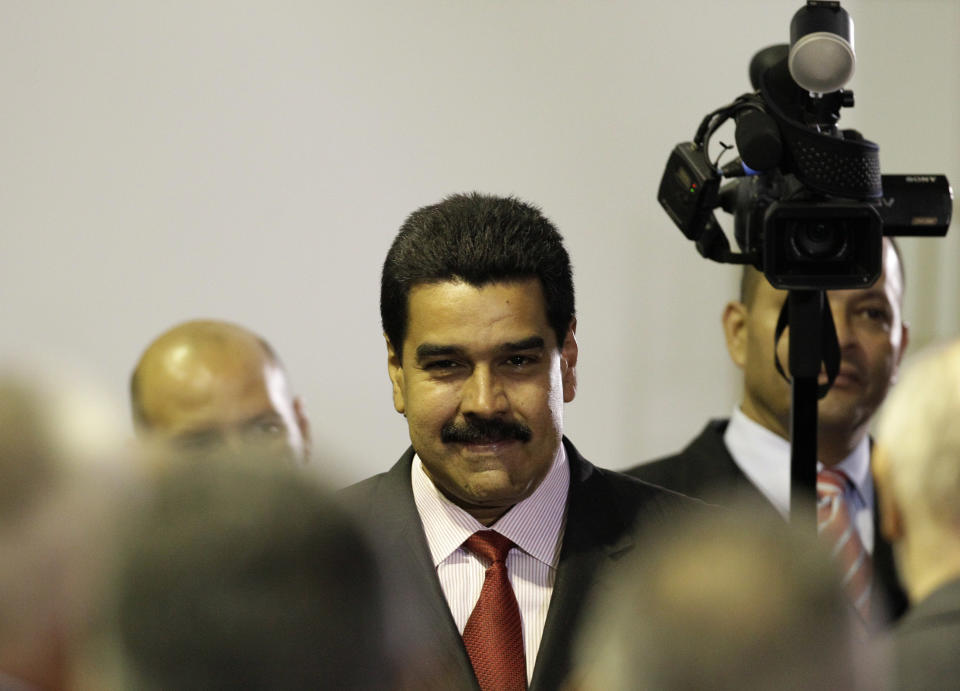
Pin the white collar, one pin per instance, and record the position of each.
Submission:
(534, 524)
(764, 457)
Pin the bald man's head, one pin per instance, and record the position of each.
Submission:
(211, 385)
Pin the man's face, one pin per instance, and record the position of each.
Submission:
(233, 400)
(482, 384)
(871, 336)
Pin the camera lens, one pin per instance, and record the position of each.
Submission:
(819, 241)
(822, 245)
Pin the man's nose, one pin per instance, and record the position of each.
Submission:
(483, 393)
(233, 442)
(845, 334)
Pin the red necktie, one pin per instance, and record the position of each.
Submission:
(493, 635)
(836, 527)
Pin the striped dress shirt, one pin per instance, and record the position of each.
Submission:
(535, 525)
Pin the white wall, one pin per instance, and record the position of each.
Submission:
(908, 100)
(252, 161)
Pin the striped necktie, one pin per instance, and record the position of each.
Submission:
(835, 525)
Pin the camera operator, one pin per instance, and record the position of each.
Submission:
(750, 452)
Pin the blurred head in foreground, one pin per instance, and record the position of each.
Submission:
(917, 470)
(210, 387)
(60, 480)
(242, 573)
(739, 602)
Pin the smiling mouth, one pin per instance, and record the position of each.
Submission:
(492, 445)
(845, 379)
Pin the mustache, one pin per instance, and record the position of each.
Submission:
(484, 431)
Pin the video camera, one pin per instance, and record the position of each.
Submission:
(810, 205)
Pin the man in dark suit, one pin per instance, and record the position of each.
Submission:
(917, 466)
(750, 452)
(477, 306)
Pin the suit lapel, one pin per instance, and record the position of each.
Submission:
(595, 534)
(405, 540)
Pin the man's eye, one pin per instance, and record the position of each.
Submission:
(440, 365)
(876, 314)
(269, 428)
(520, 360)
(197, 442)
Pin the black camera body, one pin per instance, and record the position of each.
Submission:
(688, 189)
(808, 240)
(809, 202)
(810, 207)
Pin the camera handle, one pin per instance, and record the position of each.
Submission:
(813, 341)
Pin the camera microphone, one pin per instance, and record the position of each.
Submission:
(821, 57)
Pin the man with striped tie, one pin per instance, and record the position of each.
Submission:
(493, 517)
(750, 452)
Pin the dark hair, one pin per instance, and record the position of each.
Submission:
(479, 239)
(239, 572)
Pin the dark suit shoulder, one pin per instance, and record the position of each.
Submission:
(669, 471)
(703, 466)
(600, 495)
(381, 495)
(628, 490)
(363, 491)
(645, 506)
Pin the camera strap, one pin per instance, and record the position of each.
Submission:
(829, 346)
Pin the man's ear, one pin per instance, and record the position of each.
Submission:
(735, 330)
(568, 362)
(395, 370)
(904, 342)
(891, 518)
(303, 424)
(891, 521)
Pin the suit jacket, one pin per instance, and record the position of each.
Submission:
(705, 467)
(603, 507)
(926, 642)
